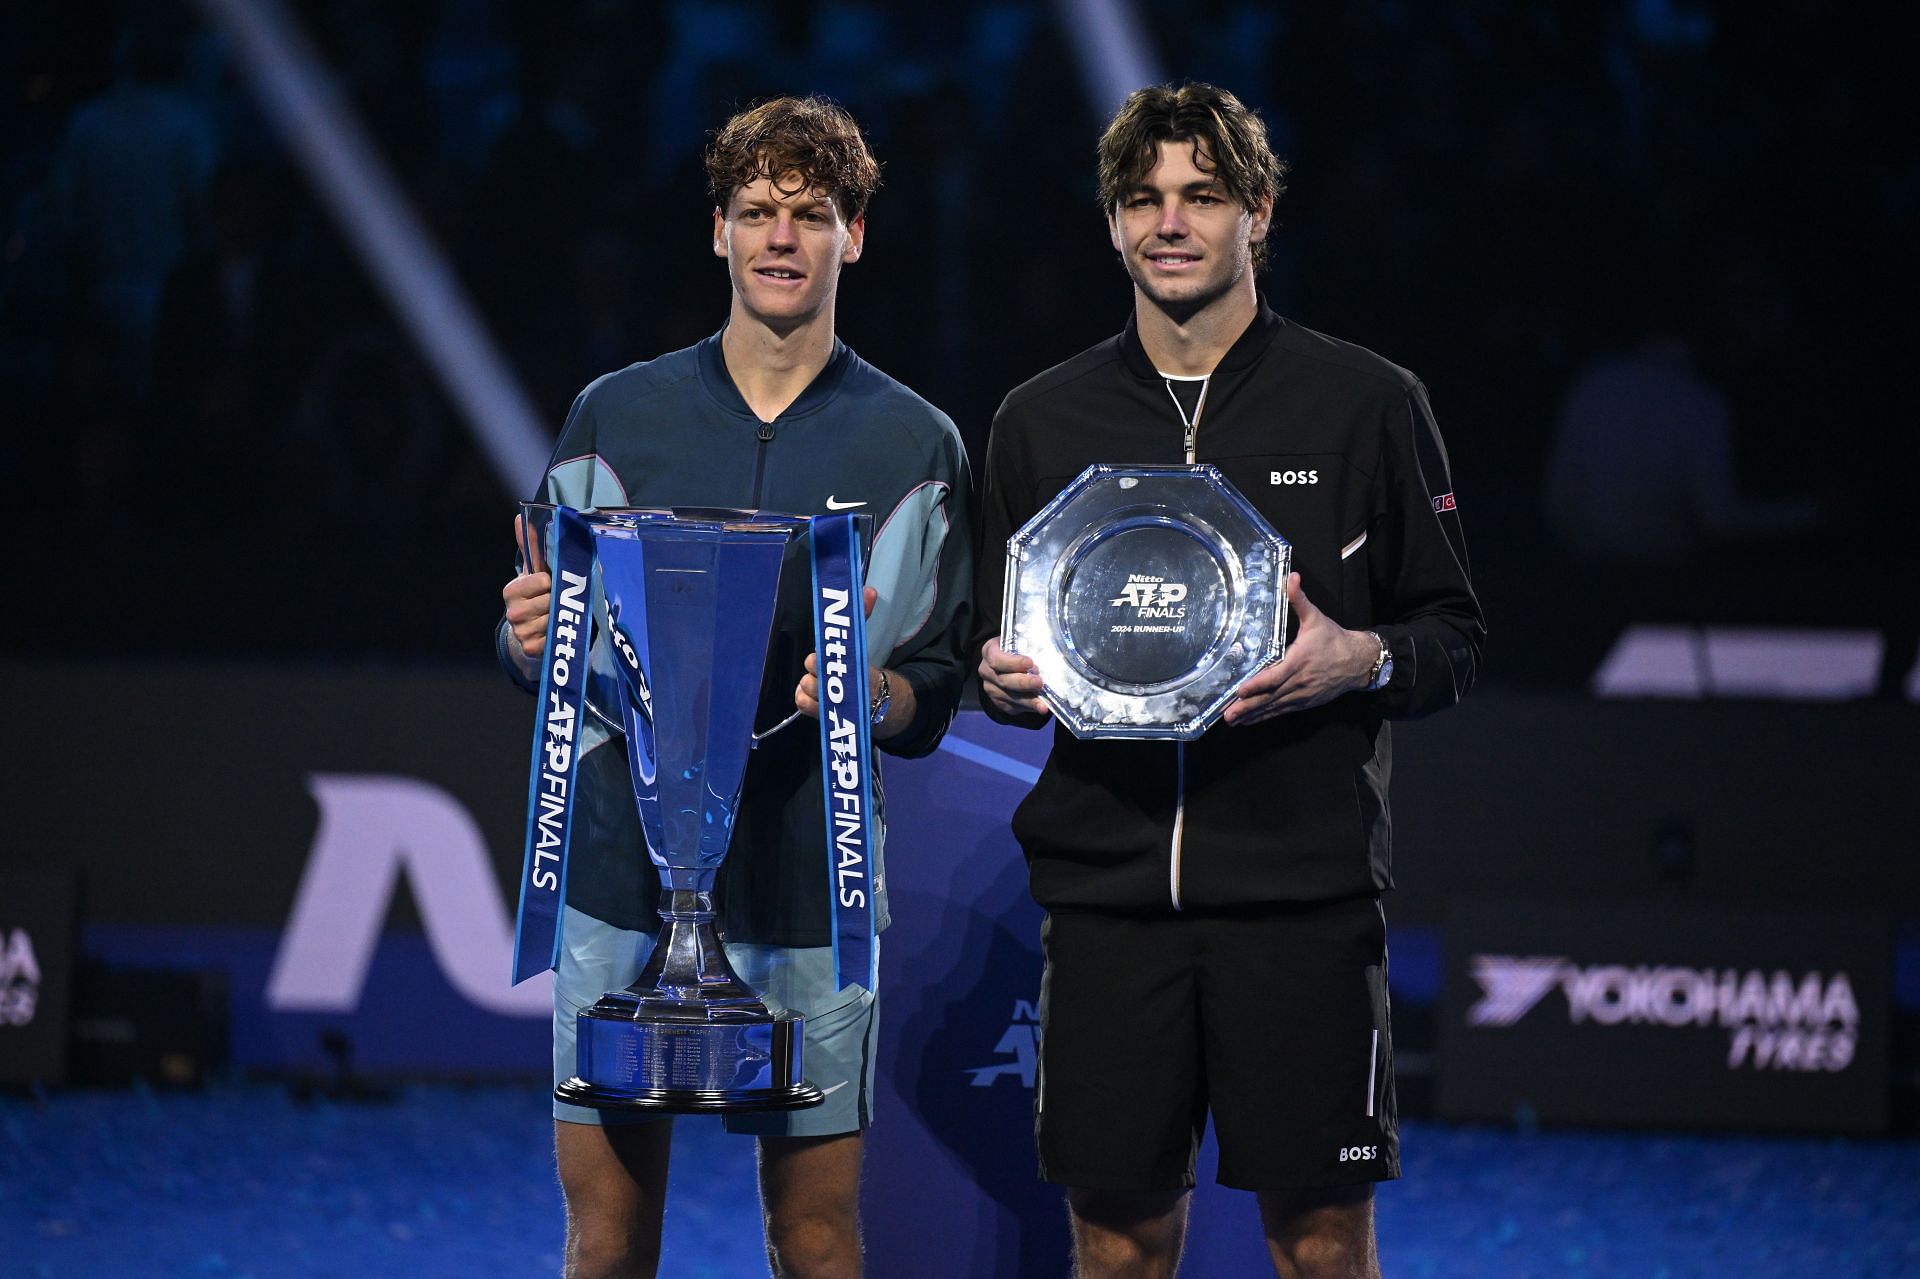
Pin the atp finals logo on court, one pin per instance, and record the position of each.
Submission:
(1774, 1021)
(1152, 597)
(19, 979)
(1021, 1042)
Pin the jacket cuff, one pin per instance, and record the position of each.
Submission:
(503, 652)
(929, 723)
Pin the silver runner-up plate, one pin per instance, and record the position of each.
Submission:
(1146, 595)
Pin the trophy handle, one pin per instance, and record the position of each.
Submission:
(761, 737)
(613, 725)
(620, 730)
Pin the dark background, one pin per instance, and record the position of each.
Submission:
(236, 450)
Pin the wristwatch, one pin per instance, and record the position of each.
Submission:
(881, 699)
(1382, 664)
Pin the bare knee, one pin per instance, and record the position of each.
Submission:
(1329, 1257)
(1100, 1252)
(814, 1245)
(614, 1180)
(601, 1249)
(810, 1192)
(1322, 1235)
(1118, 1235)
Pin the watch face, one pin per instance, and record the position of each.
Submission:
(1146, 595)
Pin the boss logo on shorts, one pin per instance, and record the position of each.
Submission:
(1358, 1154)
(1293, 477)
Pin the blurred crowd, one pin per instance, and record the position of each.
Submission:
(1649, 257)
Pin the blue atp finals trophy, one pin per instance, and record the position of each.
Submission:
(1147, 595)
(688, 598)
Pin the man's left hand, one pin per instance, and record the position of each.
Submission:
(806, 697)
(1324, 661)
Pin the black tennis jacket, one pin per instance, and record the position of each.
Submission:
(1338, 449)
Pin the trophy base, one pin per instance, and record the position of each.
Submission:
(579, 1092)
(636, 1052)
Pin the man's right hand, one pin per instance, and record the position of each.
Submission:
(529, 598)
(1010, 687)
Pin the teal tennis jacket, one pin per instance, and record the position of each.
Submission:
(675, 431)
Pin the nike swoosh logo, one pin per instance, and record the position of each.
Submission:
(828, 1092)
(834, 504)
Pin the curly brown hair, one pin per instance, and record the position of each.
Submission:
(1227, 136)
(813, 136)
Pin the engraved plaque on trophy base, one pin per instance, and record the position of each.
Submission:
(721, 1059)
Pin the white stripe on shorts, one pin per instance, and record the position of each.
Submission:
(1373, 1062)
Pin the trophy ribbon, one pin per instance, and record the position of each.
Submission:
(556, 761)
(846, 743)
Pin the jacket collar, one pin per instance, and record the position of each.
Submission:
(720, 385)
(1244, 351)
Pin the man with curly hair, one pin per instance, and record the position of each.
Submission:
(771, 412)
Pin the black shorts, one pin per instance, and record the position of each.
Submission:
(1275, 1022)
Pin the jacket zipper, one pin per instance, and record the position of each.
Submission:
(1190, 443)
(1179, 820)
(765, 436)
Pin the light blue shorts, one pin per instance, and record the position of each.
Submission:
(837, 1055)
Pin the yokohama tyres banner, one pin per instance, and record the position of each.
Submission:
(1666, 1014)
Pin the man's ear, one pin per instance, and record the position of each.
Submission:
(856, 239)
(1262, 222)
(719, 233)
(1113, 234)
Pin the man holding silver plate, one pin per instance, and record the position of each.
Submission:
(771, 414)
(1231, 556)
